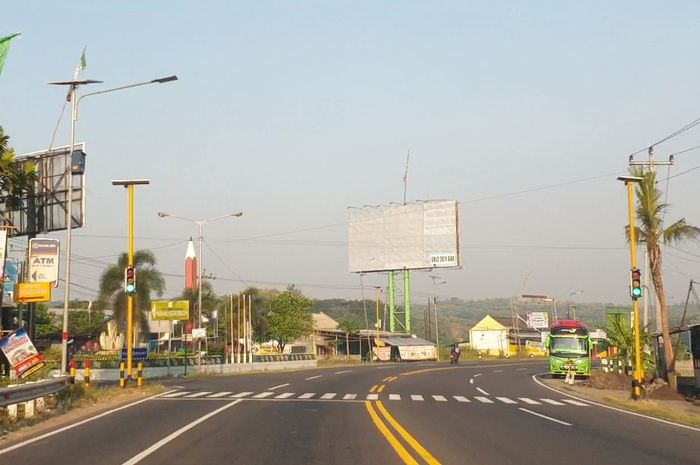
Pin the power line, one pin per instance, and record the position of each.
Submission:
(676, 133)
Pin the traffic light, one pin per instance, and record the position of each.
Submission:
(635, 283)
(130, 280)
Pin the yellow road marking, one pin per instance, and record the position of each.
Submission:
(426, 370)
(374, 388)
(387, 378)
(381, 388)
(407, 437)
(391, 439)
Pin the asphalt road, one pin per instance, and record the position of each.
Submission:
(475, 413)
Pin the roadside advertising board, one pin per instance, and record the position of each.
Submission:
(538, 320)
(170, 309)
(21, 353)
(199, 333)
(10, 278)
(43, 261)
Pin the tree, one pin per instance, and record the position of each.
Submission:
(348, 326)
(210, 302)
(15, 181)
(86, 323)
(288, 317)
(650, 215)
(45, 324)
(148, 281)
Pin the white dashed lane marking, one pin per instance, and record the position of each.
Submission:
(198, 394)
(552, 402)
(189, 395)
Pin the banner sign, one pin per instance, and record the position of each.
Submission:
(170, 310)
(43, 261)
(21, 353)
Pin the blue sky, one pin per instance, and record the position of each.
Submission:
(292, 111)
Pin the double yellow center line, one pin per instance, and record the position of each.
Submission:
(391, 438)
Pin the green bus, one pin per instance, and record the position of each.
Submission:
(569, 347)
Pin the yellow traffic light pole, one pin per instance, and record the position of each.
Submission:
(638, 373)
(129, 185)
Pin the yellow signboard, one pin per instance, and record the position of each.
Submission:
(33, 292)
(170, 309)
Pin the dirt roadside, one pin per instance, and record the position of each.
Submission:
(662, 405)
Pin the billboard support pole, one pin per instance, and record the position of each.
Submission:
(407, 300)
(392, 303)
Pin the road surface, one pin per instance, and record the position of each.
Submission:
(475, 413)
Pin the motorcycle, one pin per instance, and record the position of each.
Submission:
(454, 357)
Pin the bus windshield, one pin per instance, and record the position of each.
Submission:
(568, 346)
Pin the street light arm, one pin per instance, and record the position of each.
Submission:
(168, 215)
(129, 86)
(237, 214)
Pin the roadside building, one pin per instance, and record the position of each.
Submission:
(505, 336)
(489, 336)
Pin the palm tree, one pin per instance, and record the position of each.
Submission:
(148, 281)
(650, 215)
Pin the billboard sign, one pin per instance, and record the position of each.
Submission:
(420, 235)
(170, 310)
(43, 261)
(21, 353)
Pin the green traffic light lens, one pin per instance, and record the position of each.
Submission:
(637, 292)
(130, 288)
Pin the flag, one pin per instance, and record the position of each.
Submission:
(83, 60)
(4, 48)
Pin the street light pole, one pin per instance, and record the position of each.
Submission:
(435, 308)
(638, 374)
(73, 87)
(200, 224)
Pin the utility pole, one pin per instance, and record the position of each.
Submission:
(650, 165)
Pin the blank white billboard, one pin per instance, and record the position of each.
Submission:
(413, 236)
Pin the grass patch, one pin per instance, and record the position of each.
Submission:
(654, 409)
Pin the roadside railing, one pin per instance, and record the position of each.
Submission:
(32, 390)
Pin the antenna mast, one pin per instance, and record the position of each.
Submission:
(405, 176)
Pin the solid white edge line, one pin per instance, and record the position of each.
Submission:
(483, 392)
(137, 458)
(277, 387)
(544, 416)
(660, 420)
(87, 420)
